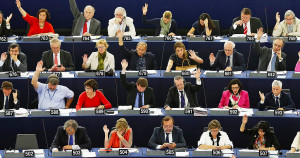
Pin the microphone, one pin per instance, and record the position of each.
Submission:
(162, 57)
(204, 92)
(73, 54)
(45, 136)
(248, 59)
(266, 21)
(27, 95)
(116, 85)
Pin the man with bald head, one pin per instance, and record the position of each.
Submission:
(228, 59)
(84, 24)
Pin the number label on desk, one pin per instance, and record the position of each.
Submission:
(143, 73)
(100, 73)
(29, 153)
(209, 38)
(278, 112)
(54, 111)
(76, 152)
(185, 73)
(188, 111)
(3, 39)
(271, 74)
(216, 152)
(9, 113)
(263, 153)
(44, 38)
(144, 111)
(250, 38)
(170, 152)
(292, 38)
(123, 152)
(86, 38)
(58, 74)
(12, 74)
(298, 113)
(99, 111)
(168, 38)
(127, 38)
(233, 112)
(228, 73)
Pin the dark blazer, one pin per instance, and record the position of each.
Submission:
(3, 29)
(285, 101)
(81, 138)
(220, 62)
(158, 137)
(65, 60)
(191, 93)
(270, 137)
(255, 23)
(79, 21)
(132, 57)
(132, 91)
(12, 105)
(265, 55)
(156, 23)
(7, 63)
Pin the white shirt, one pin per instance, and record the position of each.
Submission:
(16, 62)
(170, 139)
(205, 139)
(58, 58)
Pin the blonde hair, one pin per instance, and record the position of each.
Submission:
(102, 41)
(214, 124)
(167, 14)
(181, 45)
(122, 124)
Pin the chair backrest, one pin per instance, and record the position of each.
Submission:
(225, 89)
(26, 141)
(101, 90)
(287, 91)
(216, 31)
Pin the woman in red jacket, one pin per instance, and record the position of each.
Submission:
(92, 97)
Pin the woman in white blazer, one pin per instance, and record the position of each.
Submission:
(296, 143)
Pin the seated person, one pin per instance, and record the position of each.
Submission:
(164, 26)
(290, 26)
(214, 138)
(181, 59)
(83, 21)
(245, 24)
(270, 59)
(9, 97)
(297, 67)
(120, 137)
(138, 59)
(100, 60)
(121, 22)
(228, 59)
(296, 143)
(261, 137)
(71, 136)
(139, 94)
(15, 60)
(203, 26)
(182, 94)
(57, 59)
(92, 97)
(5, 29)
(277, 99)
(51, 95)
(167, 136)
(39, 24)
(234, 97)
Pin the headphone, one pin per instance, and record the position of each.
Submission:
(52, 76)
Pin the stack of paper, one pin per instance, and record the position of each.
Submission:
(200, 111)
(124, 107)
(21, 113)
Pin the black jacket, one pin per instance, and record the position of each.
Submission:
(12, 105)
(3, 29)
(156, 23)
(220, 62)
(7, 63)
(255, 23)
(65, 60)
(285, 101)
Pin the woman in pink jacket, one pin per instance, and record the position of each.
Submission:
(297, 68)
(234, 97)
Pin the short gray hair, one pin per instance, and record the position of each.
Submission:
(176, 78)
(288, 13)
(230, 42)
(122, 10)
(71, 123)
(276, 83)
(89, 6)
(55, 40)
(279, 38)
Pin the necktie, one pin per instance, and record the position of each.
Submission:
(245, 29)
(277, 101)
(13, 65)
(55, 59)
(84, 28)
(227, 62)
(6, 103)
(167, 137)
(140, 100)
(290, 28)
(71, 140)
(273, 61)
(182, 99)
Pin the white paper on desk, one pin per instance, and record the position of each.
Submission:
(88, 109)
(152, 71)
(239, 35)
(248, 150)
(182, 154)
(21, 113)
(273, 152)
(12, 151)
(36, 151)
(131, 150)
(31, 73)
(95, 37)
(135, 37)
(218, 109)
(124, 107)
(217, 37)
(227, 151)
(87, 153)
(246, 111)
(156, 111)
(24, 74)
(66, 112)
(289, 112)
(67, 75)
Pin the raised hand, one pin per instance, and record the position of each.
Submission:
(260, 33)
(105, 129)
(8, 18)
(18, 3)
(277, 17)
(3, 56)
(193, 54)
(212, 58)
(145, 9)
(39, 66)
(84, 58)
(197, 73)
(120, 34)
(15, 95)
(245, 119)
(262, 96)
(124, 64)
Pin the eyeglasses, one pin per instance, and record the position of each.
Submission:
(100, 47)
(235, 87)
(118, 14)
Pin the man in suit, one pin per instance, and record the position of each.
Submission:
(245, 24)
(270, 59)
(5, 29)
(138, 59)
(71, 136)
(227, 59)
(182, 94)
(139, 94)
(15, 60)
(290, 26)
(167, 136)
(277, 99)
(9, 97)
(57, 59)
(84, 24)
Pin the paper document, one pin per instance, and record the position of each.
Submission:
(124, 107)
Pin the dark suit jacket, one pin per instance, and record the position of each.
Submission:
(3, 30)
(255, 23)
(132, 91)
(191, 93)
(22, 67)
(265, 55)
(12, 105)
(156, 23)
(285, 102)
(81, 138)
(79, 21)
(65, 60)
(158, 137)
(132, 57)
(220, 62)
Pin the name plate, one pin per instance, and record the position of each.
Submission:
(44, 38)
(123, 152)
(278, 112)
(209, 38)
(250, 38)
(188, 111)
(58, 74)
(9, 113)
(168, 38)
(271, 74)
(127, 38)
(3, 39)
(263, 153)
(170, 152)
(185, 73)
(99, 111)
(143, 73)
(86, 38)
(233, 112)
(144, 111)
(54, 112)
(76, 152)
(292, 38)
(100, 73)
(228, 73)
(216, 152)
(29, 153)
(298, 113)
